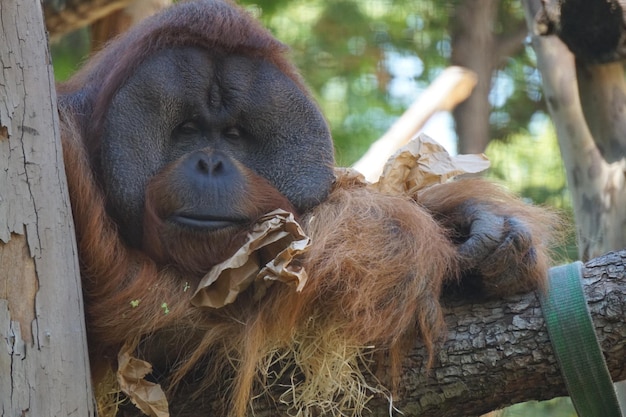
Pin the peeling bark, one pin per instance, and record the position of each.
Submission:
(477, 47)
(44, 365)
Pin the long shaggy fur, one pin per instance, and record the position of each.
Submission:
(376, 267)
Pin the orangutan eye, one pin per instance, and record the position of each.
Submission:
(232, 133)
(188, 127)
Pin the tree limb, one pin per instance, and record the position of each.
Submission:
(450, 88)
(498, 352)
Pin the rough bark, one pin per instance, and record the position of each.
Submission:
(498, 352)
(44, 364)
(476, 46)
(597, 184)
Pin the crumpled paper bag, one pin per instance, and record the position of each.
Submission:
(276, 241)
(424, 162)
(270, 254)
(146, 395)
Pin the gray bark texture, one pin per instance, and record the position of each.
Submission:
(593, 30)
(498, 352)
(591, 141)
(43, 366)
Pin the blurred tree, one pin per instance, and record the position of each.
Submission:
(486, 34)
(65, 16)
(104, 18)
(368, 60)
(587, 97)
(530, 165)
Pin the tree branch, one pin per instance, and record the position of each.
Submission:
(498, 352)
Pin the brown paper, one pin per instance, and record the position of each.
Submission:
(147, 396)
(270, 254)
(424, 162)
(276, 242)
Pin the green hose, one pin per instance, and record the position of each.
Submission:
(575, 344)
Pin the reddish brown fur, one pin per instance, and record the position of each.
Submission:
(443, 201)
(190, 250)
(376, 267)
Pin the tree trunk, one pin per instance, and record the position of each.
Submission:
(602, 91)
(597, 185)
(44, 365)
(477, 47)
(473, 48)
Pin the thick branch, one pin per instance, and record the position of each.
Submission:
(498, 352)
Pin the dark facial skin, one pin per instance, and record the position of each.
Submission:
(236, 110)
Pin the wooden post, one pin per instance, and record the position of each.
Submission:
(44, 362)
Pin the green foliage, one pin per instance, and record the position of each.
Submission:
(366, 61)
(531, 165)
(69, 52)
(516, 96)
(557, 407)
